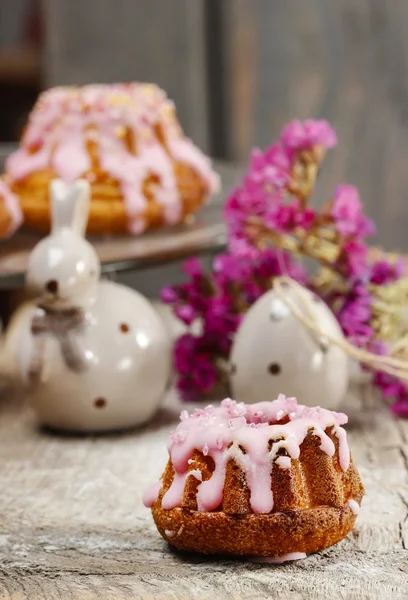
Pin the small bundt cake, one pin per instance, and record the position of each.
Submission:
(126, 140)
(273, 479)
(10, 212)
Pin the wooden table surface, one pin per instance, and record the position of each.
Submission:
(72, 523)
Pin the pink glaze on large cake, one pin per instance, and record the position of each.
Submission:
(134, 134)
(282, 463)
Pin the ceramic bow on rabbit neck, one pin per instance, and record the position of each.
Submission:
(93, 354)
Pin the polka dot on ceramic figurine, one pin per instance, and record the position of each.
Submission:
(274, 368)
(124, 327)
(52, 286)
(100, 403)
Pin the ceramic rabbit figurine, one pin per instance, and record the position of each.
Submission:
(93, 354)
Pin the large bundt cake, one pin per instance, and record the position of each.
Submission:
(126, 140)
(270, 479)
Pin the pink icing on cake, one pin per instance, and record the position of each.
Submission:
(13, 207)
(65, 118)
(151, 494)
(277, 560)
(223, 431)
(354, 506)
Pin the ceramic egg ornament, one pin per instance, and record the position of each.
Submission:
(93, 355)
(273, 352)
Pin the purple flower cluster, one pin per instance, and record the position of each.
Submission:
(271, 202)
(299, 136)
(347, 212)
(263, 193)
(355, 314)
(355, 318)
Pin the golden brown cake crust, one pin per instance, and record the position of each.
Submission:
(125, 139)
(214, 498)
(276, 534)
(107, 212)
(311, 510)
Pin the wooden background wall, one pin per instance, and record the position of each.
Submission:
(159, 41)
(238, 69)
(346, 61)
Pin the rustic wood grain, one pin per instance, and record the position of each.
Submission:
(345, 61)
(137, 40)
(239, 42)
(72, 524)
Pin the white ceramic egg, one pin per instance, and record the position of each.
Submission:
(273, 352)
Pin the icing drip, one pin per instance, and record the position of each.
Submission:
(71, 157)
(151, 495)
(174, 494)
(277, 560)
(197, 474)
(170, 532)
(283, 462)
(344, 452)
(254, 436)
(134, 129)
(12, 206)
(354, 506)
(184, 150)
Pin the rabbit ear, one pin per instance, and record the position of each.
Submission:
(70, 205)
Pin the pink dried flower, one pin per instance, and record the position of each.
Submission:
(265, 200)
(204, 374)
(299, 136)
(383, 271)
(264, 170)
(240, 247)
(192, 267)
(185, 313)
(279, 156)
(305, 218)
(355, 255)
(169, 295)
(280, 217)
(187, 389)
(390, 386)
(347, 213)
(184, 352)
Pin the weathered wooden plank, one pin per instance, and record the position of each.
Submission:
(345, 61)
(72, 524)
(238, 44)
(122, 40)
